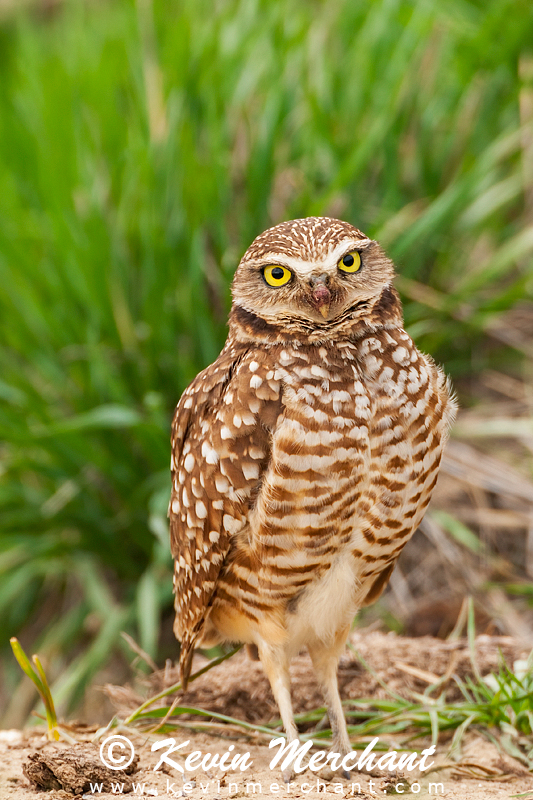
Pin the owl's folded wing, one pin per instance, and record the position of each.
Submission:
(220, 449)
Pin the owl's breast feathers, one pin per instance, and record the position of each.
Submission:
(286, 458)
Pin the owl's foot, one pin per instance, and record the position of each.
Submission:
(328, 774)
(287, 775)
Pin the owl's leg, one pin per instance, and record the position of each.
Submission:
(325, 660)
(276, 665)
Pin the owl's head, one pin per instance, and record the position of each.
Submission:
(314, 275)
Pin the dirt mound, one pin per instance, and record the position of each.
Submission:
(239, 687)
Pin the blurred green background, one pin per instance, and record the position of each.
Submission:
(143, 145)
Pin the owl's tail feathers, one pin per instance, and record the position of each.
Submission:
(186, 654)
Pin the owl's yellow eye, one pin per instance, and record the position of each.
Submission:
(277, 276)
(351, 262)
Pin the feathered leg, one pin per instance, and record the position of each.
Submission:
(325, 658)
(276, 665)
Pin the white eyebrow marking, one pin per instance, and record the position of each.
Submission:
(330, 260)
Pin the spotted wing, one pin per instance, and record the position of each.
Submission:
(220, 449)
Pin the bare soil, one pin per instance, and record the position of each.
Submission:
(481, 774)
(239, 687)
(32, 768)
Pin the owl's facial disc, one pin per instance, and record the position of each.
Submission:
(311, 272)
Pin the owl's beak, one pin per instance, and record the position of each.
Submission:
(321, 294)
(324, 309)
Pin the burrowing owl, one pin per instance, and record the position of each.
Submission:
(304, 458)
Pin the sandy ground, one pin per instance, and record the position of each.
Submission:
(239, 688)
(481, 774)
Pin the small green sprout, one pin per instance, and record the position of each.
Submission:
(39, 679)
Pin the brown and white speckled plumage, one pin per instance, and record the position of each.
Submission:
(303, 459)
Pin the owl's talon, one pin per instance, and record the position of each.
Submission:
(287, 775)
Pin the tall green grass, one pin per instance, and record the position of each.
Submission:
(142, 147)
